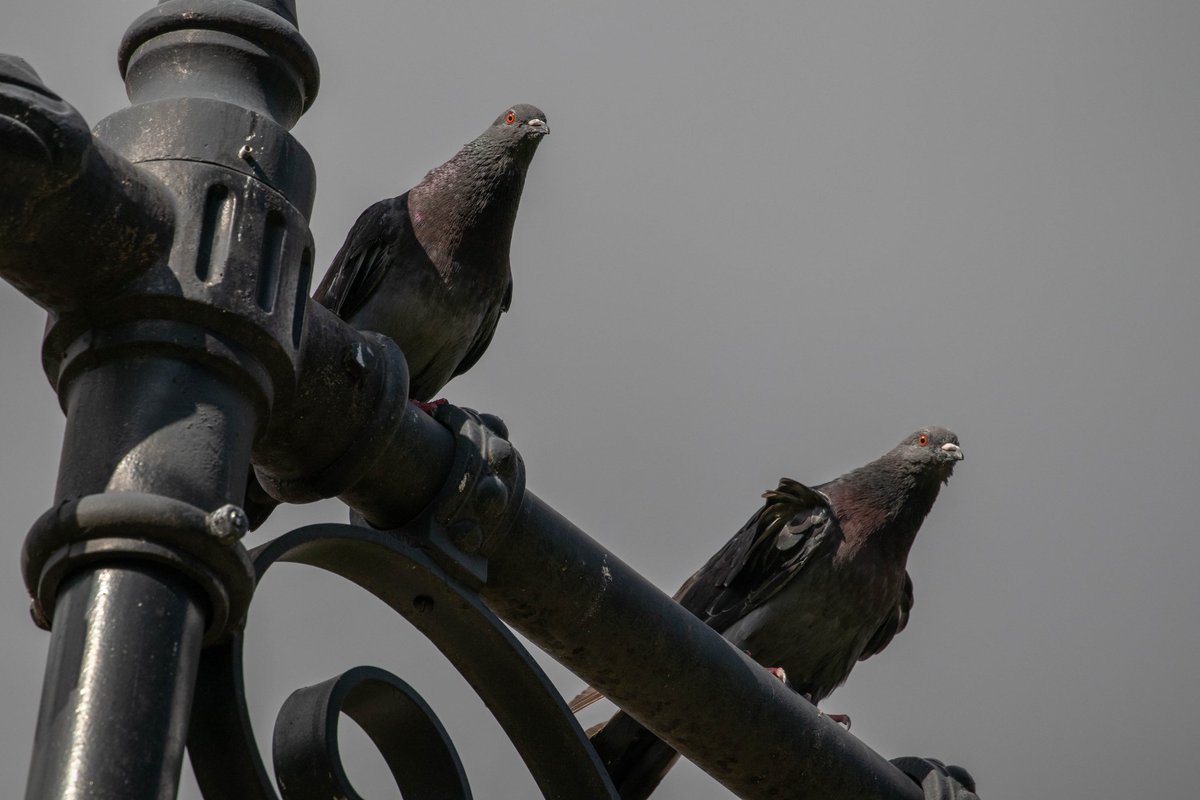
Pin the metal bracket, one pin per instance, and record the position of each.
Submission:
(478, 502)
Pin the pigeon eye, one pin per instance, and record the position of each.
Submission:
(922, 440)
(510, 118)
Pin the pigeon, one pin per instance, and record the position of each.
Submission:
(812, 584)
(430, 268)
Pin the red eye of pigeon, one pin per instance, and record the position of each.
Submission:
(510, 118)
(922, 440)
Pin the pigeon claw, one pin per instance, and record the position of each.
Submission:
(431, 406)
(840, 719)
(778, 672)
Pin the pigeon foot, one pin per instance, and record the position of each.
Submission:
(839, 719)
(431, 406)
(778, 672)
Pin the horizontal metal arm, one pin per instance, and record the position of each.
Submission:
(75, 217)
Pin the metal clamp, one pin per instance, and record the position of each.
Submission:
(482, 494)
(132, 525)
(479, 500)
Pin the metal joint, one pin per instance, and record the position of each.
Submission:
(373, 360)
(481, 496)
(479, 500)
(58, 178)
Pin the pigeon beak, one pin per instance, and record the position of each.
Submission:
(538, 126)
(952, 452)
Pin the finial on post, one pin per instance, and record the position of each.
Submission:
(247, 53)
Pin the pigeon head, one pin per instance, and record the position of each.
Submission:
(522, 125)
(933, 448)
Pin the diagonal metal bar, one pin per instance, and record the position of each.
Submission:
(711, 702)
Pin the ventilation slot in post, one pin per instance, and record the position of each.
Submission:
(272, 255)
(213, 247)
(306, 267)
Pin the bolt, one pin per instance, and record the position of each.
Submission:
(228, 523)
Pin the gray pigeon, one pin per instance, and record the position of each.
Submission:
(430, 268)
(812, 584)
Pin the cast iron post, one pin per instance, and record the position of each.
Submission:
(172, 251)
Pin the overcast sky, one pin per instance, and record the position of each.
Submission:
(773, 242)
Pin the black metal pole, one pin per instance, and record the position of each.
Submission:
(172, 250)
(109, 729)
(126, 636)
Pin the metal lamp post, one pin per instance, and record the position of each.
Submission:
(171, 249)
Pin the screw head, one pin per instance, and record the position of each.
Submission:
(228, 523)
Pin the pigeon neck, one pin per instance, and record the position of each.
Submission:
(469, 205)
(884, 503)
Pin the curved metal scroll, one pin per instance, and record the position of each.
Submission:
(402, 725)
(504, 675)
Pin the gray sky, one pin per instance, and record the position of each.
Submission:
(765, 243)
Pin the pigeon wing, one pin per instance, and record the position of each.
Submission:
(795, 524)
(895, 622)
(374, 242)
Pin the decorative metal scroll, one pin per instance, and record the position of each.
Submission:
(416, 748)
(400, 723)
